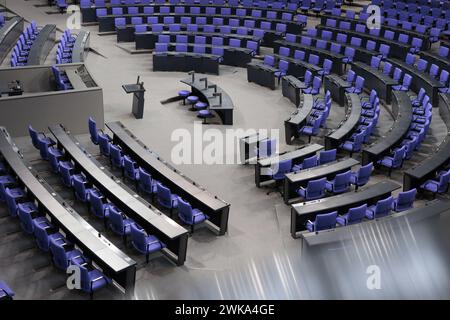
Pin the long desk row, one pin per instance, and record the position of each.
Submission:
(347, 126)
(420, 79)
(9, 34)
(375, 79)
(294, 180)
(323, 54)
(107, 23)
(261, 74)
(297, 156)
(215, 208)
(81, 46)
(222, 105)
(434, 58)
(297, 68)
(336, 85)
(185, 62)
(148, 217)
(232, 56)
(414, 177)
(147, 40)
(426, 44)
(114, 263)
(42, 45)
(402, 113)
(395, 220)
(398, 50)
(291, 88)
(298, 118)
(89, 14)
(302, 212)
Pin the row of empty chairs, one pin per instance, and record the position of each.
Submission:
(382, 208)
(48, 238)
(143, 180)
(99, 206)
(431, 69)
(341, 182)
(177, 10)
(19, 56)
(420, 124)
(367, 123)
(291, 5)
(65, 48)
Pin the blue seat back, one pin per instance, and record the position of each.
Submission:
(325, 221)
(327, 156)
(356, 215)
(164, 195)
(383, 207)
(138, 238)
(315, 188)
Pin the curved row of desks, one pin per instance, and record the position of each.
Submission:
(336, 85)
(113, 262)
(185, 62)
(89, 14)
(426, 44)
(232, 56)
(297, 156)
(42, 45)
(147, 40)
(323, 54)
(107, 23)
(347, 126)
(434, 58)
(420, 79)
(402, 113)
(294, 180)
(148, 217)
(298, 118)
(396, 219)
(9, 34)
(291, 88)
(375, 79)
(302, 212)
(81, 46)
(427, 169)
(220, 103)
(215, 208)
(398, 50)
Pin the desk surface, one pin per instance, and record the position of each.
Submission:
(307, 149)
(399, 128)
(69, 220)
(345, 199)
(213, 102)
(321, 171)
(99, 177)
(364, 68)
(303, 112)
(44, 41)
(143, 155)
(351, 118)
